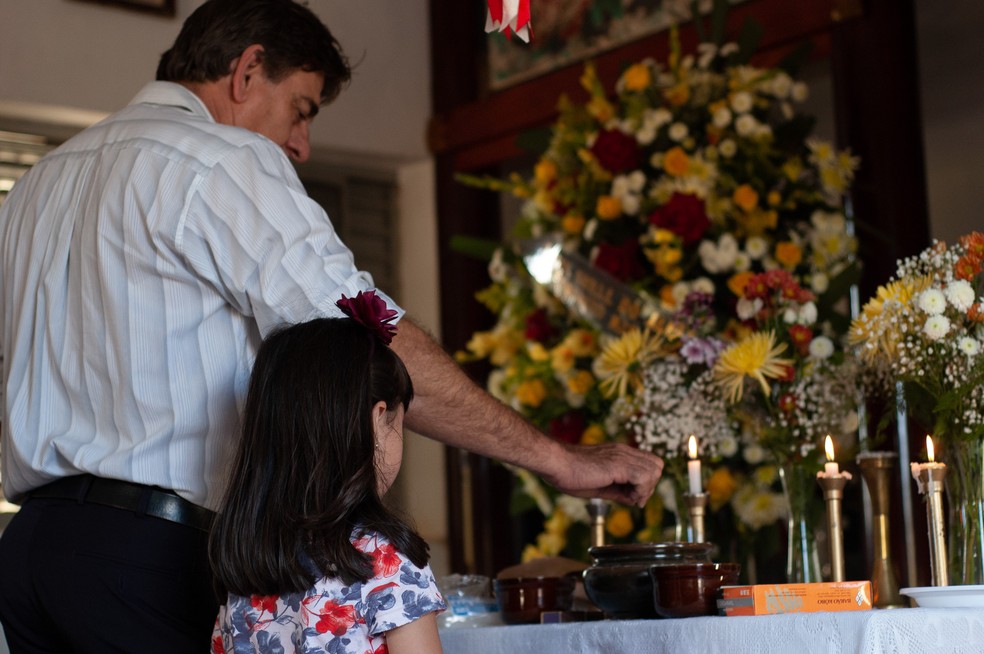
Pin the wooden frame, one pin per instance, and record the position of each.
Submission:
(159, 7)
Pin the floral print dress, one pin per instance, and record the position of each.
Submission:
(332, 617)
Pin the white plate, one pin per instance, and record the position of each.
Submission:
(940, 597)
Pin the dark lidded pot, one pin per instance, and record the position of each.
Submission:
(618, 581)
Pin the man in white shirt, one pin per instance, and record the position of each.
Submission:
(141, 263)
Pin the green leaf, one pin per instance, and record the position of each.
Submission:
(719, 18)
(698, 21)
(477, 248)
(534, 140)
(748, 40)
(792, 62)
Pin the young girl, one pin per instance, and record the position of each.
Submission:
(311, 559)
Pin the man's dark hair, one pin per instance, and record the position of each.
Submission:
(304, 476)
(293, 38)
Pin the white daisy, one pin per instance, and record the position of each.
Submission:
(936, 327)
(969, 346)
(821, 348)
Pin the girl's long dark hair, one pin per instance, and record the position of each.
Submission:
(304, 475)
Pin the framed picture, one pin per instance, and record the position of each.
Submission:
(160, 7)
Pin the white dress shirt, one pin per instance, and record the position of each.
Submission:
(142, 263)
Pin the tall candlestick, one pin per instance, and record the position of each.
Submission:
(832, 481)
(929, 477)
(693, 468)
(877, 468)
(696, 503)
(598, 511)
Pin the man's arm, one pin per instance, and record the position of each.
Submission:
(450, 408)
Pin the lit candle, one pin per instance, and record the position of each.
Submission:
(693, 467)
(930, 477)
(830, 468)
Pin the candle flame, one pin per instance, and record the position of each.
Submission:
(828, 447)
(692, 446)
(930, 452)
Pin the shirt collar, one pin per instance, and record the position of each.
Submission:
(172, 95)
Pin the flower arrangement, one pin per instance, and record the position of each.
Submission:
(925, 328)
(697, 184)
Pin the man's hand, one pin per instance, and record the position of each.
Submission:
(610, 471)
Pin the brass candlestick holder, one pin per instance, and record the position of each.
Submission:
(833, 493)
(697, 504)
(598, 511)
(876, 470)
(929, 477)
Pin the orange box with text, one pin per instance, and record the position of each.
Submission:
(766, 599)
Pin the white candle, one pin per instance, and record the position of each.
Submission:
(830, 468)
(693, 468)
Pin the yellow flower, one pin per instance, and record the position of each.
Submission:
(721, 485)
(545, 171)
(619, 523)
(745, 197)
(637, 77)
(676, 162)
(792, 169)
(756, 356)
(773, 198)
(531, 552)
(788, 254)
(593, 435)
(677, 95)
(623, 359)
(481, 344)
(580, 382)
(757, 221)
(557, 523)
(581, 341)
(551, 544)
(537, 352)
(878, 327)
(765, 475)
(608, 207)
(531, 392)
(561, 358)
(601, 109)
(572, 223)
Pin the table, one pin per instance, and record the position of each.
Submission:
(896, 631)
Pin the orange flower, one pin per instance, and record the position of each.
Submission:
(721, 485)
(676, 162)
(973, 243)
(572, 223)
(966, 267)
(545, 171)
(608, 207)
(637, 77)
(745, 197)
(788, 254)
(739, 281)
(677, 95)
(976, 313)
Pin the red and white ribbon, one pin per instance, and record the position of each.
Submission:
(505, 15)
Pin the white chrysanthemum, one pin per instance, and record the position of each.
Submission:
(756, 247)
(960, 294)
(746, 125)
(969, 346)
(819, 283)
(678, 132)
(728, 446)
(727, 148)
(821, 348)
(742, 102)
(703, 285)
(782, 85)
(721, 117)
(936, 327)
(789, 316)
(743, 262)
(932, 301)
(753, 454)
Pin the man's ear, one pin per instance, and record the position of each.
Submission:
(244, 71)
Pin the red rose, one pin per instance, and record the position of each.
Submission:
(621, 261)
(616, 151)
(538, 327)
(569, 427)
(683, 215)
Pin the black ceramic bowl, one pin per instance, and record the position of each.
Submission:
(683, 590)
(618, 581)
(523, 599)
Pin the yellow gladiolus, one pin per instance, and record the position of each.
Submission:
(531, 552)
(531, 392)
(561, 358)
(637, 77)
(545, 171)
(537, 352)
(593, 435)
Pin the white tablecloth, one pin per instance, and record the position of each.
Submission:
(897, 631)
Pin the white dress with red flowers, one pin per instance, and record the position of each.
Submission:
(332, 617)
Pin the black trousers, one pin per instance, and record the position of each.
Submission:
(89, 578)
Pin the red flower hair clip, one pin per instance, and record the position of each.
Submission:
(371, 312)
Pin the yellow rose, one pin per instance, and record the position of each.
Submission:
(745, 197)
(608, 207)
(593, 435)
(531, 392)
(619, 523)
(788, 254)
(480, 344)
(676, 162)
(637, 77)
(721, 485)
(580, 382)
(572, 223)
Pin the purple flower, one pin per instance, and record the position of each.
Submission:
(701, 351)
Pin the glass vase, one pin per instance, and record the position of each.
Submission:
(965, 500)
(799, 485)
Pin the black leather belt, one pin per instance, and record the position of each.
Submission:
(147, 500)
